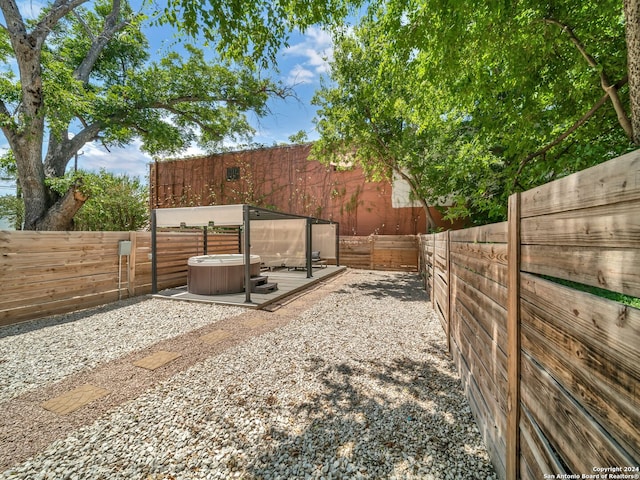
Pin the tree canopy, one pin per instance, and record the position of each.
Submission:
(83, 74)
(485, 98)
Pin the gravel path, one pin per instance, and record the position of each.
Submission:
(358, 385)
(32, 356)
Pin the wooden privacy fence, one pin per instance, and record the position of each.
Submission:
(552, 373)
(380, 252)
(47, 273)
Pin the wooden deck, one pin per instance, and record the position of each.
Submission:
(290, 282)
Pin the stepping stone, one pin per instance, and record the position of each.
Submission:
(215, 336)
(74, 399)
(253, 322)
(157, 360)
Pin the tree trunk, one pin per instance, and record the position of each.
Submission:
(431, 224)
(632, 17)
(31, 175)
(60, 216)
(413, 184)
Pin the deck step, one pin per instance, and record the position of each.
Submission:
(258, 280)
(265, 288)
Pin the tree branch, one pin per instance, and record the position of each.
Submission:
(60, 215)
(58, 10)
(611, 90)
(172, 102)
(581, 121)
(13, 18)
(85, 27)
(394, 167)
(191, 118)
(61, 150)
(111, 26)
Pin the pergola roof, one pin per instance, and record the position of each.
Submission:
(220, 216)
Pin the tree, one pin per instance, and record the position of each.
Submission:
(87, 73)
(365, 118)
(522, 92)
(115, 202)
(632, 37)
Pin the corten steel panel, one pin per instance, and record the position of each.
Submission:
(282, 178)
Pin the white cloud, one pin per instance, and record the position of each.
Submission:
(299, 75)
(130, 159)
(316, 51)
(30, 9)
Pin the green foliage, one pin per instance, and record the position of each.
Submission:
(12, 209)
(169, 104)
(477, 100)
(86, 76)
(599, 292)
(373, 114)
(298, 137)
(256, 29)
(116, 202)
(8, 165)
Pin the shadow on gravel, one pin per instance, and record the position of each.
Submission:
(37, 324)
(414, 422)
(406, 287)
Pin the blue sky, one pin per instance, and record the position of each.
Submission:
(301, 65)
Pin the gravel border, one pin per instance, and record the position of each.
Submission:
(358, 385)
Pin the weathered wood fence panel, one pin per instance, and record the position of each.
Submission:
(46, 273)
(441, 278)
(465, 271)
(394, 252)
(552, 372)
(355, 252)
(380, 252)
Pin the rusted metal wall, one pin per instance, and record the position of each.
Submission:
(284, 179)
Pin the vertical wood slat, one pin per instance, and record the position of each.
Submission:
(131, 264)
(513, 341)
(449, 298)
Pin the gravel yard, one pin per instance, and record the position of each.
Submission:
(31, 357)
(357, 384)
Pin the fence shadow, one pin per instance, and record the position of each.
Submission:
(414, 420)
(62, 318)
(405, 287)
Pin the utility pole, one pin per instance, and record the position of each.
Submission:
(75, 163)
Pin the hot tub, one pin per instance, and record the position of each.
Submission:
(219, 274)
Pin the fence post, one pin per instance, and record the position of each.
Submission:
(449, 299)
(131, 264)
(433, 283)
(513, 340)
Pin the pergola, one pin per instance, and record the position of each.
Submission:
(279, 237)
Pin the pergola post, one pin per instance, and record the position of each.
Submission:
(154, 263)
(309, 247)
(205, 240)
(247, 253)
(337, 244)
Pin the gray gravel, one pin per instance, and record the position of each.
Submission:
(358, 386)
(32, 356)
